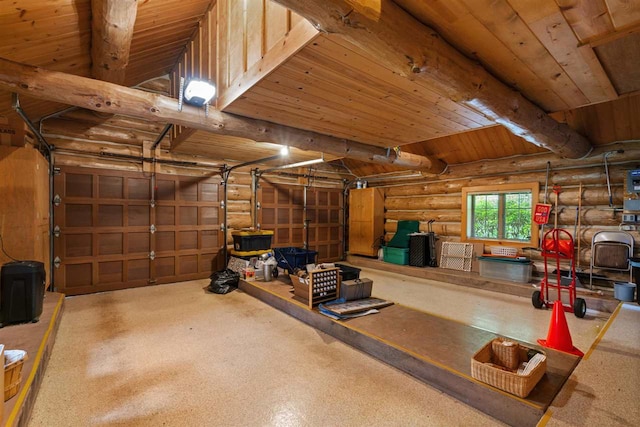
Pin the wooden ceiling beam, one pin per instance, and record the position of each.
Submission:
(406, 46)
(112, 24)
(111, 98)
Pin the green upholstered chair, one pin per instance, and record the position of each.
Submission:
(397, 250)
(401, 238)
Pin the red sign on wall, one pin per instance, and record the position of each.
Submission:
(541, 213)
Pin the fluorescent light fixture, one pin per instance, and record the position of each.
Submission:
(199, 92)
(300, 164)
(295, 165)
(284, 151)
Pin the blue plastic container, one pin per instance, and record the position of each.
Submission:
(291, 258)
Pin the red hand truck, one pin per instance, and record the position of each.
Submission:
(557, 245)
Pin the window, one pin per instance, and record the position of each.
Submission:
(501, 213)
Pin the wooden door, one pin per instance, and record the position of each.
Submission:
(282, 210)
(324, 212)
(113, 236)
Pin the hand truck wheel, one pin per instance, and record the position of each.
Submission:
(579, 308)
(536, 299)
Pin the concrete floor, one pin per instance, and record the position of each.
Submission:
(174, 355)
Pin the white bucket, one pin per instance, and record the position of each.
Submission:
(623, 291)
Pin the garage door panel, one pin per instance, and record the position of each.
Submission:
(110, 272)
(78, 215)
(165, 215)
(209, 192)
(78, 275)
(188, 240)
(138, 243)
(106, 239)
(111, 187)
(138, 269)
(188, 215)
(138, 215)
(77, 245)
(138, 189)
(165, 190)
(165, 241)
(78, 185)
(209, 216)
(110, 244)
(110, 216)
(188, 191)
(165, 266)
(209, 239)
(188, 264)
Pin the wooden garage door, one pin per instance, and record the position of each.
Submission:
(324, 212)
(111, 235)
(282, 209)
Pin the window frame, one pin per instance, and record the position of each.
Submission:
(533, 187)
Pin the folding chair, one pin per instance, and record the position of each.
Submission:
(611, 250)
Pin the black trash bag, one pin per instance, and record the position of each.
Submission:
(223, 282)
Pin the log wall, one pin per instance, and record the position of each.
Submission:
(440, 198)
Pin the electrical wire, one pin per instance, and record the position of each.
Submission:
(5, 252)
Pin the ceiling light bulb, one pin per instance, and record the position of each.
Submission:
(284, 151)
(199, 92)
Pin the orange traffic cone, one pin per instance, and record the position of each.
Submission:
(559, 337)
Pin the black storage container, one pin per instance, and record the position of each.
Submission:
(348, 273)
(21, 292)
(419, 250)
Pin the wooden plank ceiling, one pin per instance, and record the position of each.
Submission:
(577, 59)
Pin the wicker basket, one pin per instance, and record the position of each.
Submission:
(511, 382)
(506, 353)
(504, 251)
(14, 359)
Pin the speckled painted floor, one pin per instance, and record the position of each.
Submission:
(174, 355)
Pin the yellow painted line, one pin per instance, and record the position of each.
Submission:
(406, 350)
(36, 363)
(545, 418)
(603, 331)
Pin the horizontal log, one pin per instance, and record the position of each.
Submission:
(594, 216)
(63, 159)
(87, 131)
(592, 175)
(439, 215)
(95, 148)
(123, 122)
(237, 192)
(238, 220)
(239, 206)
(239, 178)
(539, 161)
(114, 99)
(592, 196)
(423, 203)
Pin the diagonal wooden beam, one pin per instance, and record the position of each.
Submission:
(112, 24)
(110, 98)
(409, 48)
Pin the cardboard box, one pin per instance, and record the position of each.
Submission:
(249, 274)
(300, 287)
(356, 289)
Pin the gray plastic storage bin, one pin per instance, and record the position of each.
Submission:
(506, 269)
